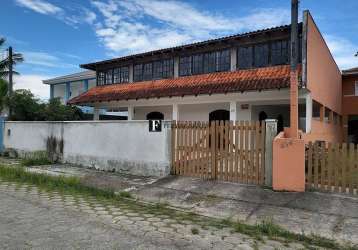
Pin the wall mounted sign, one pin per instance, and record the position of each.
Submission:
(155, 125)
(245, 106)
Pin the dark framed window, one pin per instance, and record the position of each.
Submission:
(124, 74)
(209, 62)
(261, 55)
(100, 78)
(168, 68)
(138, 72)
(109, 76)
(245, 57)
(147, 71)
(185, 66)
(116, 75)
(197, 67)
(223, 60)
(280, 52)
(157, 69)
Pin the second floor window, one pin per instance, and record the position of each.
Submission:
(245, 57)
(279, 52)
(202, 63)
(356, 89)
(154, 70)
(261, 55)
(110, 76)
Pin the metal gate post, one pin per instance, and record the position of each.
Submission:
(271, 132)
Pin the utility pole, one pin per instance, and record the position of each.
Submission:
(293, 131)
(10, 72)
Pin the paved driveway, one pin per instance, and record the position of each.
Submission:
(30, 219)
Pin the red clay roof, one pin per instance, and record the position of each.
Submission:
(275, 77)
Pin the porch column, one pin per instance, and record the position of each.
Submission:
(233, 111)
(96, 113)
(175, 116)
(309, 108)
(130, 113)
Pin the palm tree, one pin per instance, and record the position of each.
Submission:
(5, 62)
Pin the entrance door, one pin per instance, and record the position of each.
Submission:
(219, 115)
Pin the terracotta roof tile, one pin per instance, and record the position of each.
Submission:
(214, 83)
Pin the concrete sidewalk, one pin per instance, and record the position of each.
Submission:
(325, 214)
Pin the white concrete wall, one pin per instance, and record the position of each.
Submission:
(199, 112)
(124, 146)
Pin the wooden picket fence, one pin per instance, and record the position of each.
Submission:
(219, 150)
(332, 167)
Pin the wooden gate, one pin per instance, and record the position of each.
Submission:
(219, 150)
(332, 167)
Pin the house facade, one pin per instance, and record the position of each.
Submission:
(350, 105)
(240, 77)
(69, 86)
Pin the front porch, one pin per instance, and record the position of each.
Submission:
(247, 106)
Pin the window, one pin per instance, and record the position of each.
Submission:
(205, 63)
(245, 56)
(124, 74)
(356, 89)
(197, 64)
(168, 68)
(261, 55)
(157, 69)
(100, 78)
(279, 52)
(185, 66)
(209, 62)
(116, 75)
(223, 60)
(147, 71)
(109, 75)
(138, 73)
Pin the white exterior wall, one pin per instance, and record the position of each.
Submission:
(199, 112)
(140, 113)
(59, 90)
(124, 146)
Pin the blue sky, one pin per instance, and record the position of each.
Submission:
(56, 36)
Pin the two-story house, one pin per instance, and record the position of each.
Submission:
(239, 77)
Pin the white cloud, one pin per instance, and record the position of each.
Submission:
(132, 26)
(45, 60)
(34, 84)
(40, 6)
(71, 14)
(343, 51)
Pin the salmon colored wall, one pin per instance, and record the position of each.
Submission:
(324, 131)
(324, 78)
(288, 169)
(349, 102)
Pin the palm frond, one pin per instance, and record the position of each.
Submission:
(2, 41)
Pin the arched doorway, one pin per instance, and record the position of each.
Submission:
(279, 123)
(219, 115)
(155, 116)
(262, 116)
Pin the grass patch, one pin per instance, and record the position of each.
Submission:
(73, 185)
(36, 159)
(125, 194)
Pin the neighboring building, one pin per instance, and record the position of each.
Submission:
(240, 77)
(70, 86)
(350, 105)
